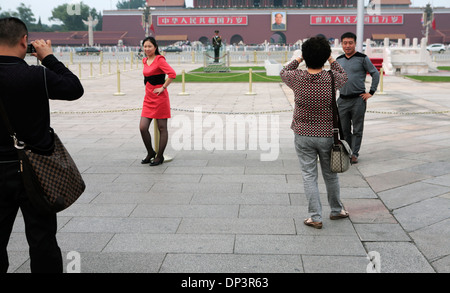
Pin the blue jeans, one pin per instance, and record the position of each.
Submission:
(40, 230)
(308, 148)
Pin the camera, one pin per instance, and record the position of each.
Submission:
(30, 49)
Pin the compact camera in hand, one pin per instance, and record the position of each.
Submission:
(31, 49)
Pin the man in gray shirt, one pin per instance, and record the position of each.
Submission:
(353, 97)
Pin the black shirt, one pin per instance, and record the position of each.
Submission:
(24, 95)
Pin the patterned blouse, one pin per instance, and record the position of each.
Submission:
(313, 115)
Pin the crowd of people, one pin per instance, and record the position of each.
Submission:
(26, 90)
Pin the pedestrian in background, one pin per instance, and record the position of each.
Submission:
(156, 101)
(217, 43)
(352, 102)
(313, 124)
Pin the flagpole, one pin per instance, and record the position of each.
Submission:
(360, 26)
(147, 18)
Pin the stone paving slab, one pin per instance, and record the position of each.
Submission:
(232, 263)
(332, 264)
(400, 257)
(299, 244)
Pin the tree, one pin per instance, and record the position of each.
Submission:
(75, 22)
(25, 14)
(130, 4)
(4, 13)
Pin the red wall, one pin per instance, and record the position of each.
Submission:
(258, 29)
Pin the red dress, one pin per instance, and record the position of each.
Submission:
(156, 106)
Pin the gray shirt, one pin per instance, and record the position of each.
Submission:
(356, 68)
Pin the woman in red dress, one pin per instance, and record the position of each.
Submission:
(156, 102)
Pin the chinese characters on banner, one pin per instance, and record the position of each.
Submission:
(352, 19)
(201, 20)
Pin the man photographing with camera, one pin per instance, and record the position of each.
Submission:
(25, 92)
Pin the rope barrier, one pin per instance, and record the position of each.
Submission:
(173, 109)
(217, 77)
(240, 113)
(408, 113)
(265, 77)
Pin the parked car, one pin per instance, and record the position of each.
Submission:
(436, 48)
(88, 51)
(172, 49)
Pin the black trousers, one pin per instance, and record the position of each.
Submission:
(40, 230)
(216, 54)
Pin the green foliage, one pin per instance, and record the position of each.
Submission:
(75, 22)
(130, 4)
(59, 13)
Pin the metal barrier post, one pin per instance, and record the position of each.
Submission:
(92, 75)
(381, 82)
(100, 69)
(183, 81)
(250, 91)
(157, 138)
(119, 93)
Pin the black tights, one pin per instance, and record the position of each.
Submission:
(144, 126)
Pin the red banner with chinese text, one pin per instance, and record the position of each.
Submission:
(353, 19)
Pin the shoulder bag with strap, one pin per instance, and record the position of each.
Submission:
(51, 177)
(341, 152)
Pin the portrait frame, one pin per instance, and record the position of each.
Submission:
(273, 24)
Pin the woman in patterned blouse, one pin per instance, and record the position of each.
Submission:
(313, 124)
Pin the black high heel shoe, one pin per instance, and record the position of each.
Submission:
(148, 159)
(156, 163)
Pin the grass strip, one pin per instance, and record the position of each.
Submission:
(430, 78)
(237, 68)
(200, 76)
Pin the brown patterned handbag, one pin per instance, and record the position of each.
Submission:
(53, 182)
(51, 177)
(341, 152)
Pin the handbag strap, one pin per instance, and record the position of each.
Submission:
(18, 144)
(5, 118)
(337, 127)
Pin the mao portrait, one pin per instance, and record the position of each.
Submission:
(278, 21)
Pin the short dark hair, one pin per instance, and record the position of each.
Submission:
(348, 35)
(153, 41)
(316, 52)
(12, 30)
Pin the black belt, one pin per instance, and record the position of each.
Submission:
(155, 79)
(352, 96)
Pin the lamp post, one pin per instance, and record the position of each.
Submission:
(146, 17)
(427, 19)
(360, 26)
